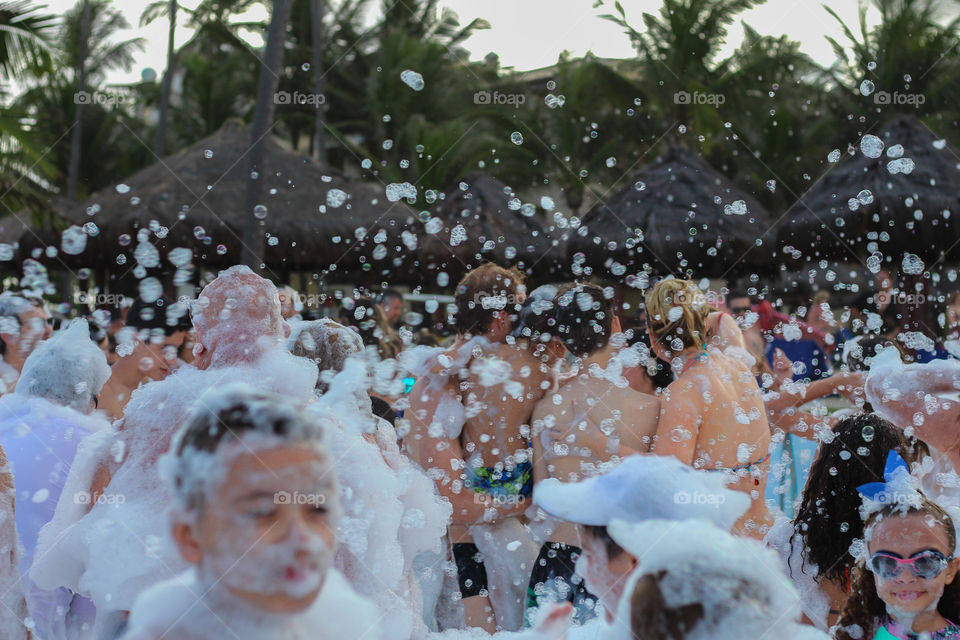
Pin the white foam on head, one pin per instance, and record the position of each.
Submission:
(324, 341)
(114, 551)
(391, 513)
(730, 577)
(68, 369)
(191, 471)
(237, 317)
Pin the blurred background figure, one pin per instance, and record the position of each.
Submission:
(391, 302)
(24, 322)
(290, 306)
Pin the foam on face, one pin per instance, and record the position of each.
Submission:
(196, 472)
(243, 560)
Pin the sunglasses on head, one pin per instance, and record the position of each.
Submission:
(925, 564)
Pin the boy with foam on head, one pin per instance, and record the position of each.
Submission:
(240, 338)
(696, 581)
(256, 510)
(639, 488)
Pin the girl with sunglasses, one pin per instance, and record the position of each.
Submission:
(906, 588)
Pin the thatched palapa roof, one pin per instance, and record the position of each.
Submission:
(914, 211)
(480, 225)
(676, 213)
(196, 199)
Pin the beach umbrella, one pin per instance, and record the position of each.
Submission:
(482, 220)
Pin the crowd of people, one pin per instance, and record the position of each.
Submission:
(229, 467)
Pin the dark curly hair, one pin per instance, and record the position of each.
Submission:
(830, 499)
(865, 609)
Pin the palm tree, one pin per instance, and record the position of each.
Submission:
(908, 52)
(583, 139)
(81, 65)
(679, 51)
(51, 105)
(747, 111)
(103, 51)
(317, 42)
(148, 16)
(428, 136)
(263, 122)
(26, 34)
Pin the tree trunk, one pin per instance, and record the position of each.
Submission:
(80, 99)
(316, 31)
(263, 112)
(160, 141)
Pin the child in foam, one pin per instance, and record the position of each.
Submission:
(240, 337)
(42, 424)
(639, 488)
(905, 584)
(814, 546)
(257, 507)
(695, 581)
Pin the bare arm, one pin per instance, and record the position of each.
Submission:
(679, 424)
(442, 458)
(790, 396)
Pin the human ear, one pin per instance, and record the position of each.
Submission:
(187, 543)
(556, 348)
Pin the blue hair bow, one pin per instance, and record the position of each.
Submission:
(893, 470)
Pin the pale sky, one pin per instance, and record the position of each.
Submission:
(529, 34)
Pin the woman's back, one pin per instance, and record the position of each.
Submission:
(712, 417)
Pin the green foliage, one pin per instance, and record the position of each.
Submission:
(779, 116)
(26, 36)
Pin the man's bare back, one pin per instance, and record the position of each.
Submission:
(586, 425)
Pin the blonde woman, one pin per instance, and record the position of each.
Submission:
(712, 416)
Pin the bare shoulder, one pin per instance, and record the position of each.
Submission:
(644, 400)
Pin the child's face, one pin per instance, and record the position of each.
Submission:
(904, 536)
(604, 576)
(267, 533)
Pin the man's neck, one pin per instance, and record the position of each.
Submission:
(125, 374)
(601, 358)
(11, 357)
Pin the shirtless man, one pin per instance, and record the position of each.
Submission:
(469, 428)
(586, 427)
(712, 416)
